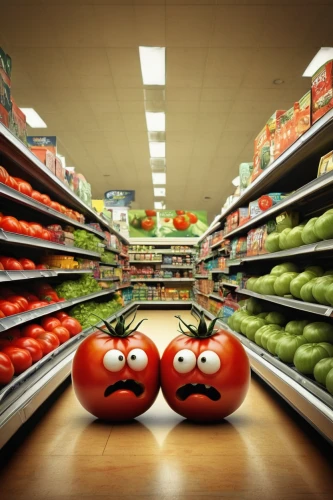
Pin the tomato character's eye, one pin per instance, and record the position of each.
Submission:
(137, 360)
(209, 362)
(114, 360)
(184, 361)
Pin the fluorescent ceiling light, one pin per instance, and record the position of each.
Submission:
(159, 191)
(157, 149)
(323, 55)
(33, 118)
(236, 181)
(159, 204)
(152, 60)
(155, 122)
(159, 178)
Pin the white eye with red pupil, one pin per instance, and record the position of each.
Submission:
(114, 360)
(184, 361)
(137, 359)
(209, 362)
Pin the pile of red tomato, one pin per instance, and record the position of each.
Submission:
(16, 302)
(33, 229)
(11, 264)
(26, 188)
(20, 348)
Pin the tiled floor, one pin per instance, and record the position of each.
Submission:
(263, 451)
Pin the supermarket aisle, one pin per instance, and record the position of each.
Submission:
(263, 451)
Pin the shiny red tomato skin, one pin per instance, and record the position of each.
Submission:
(27, 264)
(90, 378)
(180, 212)
(37, 228)
(21, 358)
(147, 224)
(8, 308)
(13, 265)
(62, 333)
(181, 223)
(192, 217)
(6, 369)
(72, 325)
(19, 300)
(45, 199)
(3, 175)
(33, 331)
(48, 341)
(10, 224)
(36, 195)
(11, 182)
(231, 380)
(49, 323)
(25, 188)
(30, 345)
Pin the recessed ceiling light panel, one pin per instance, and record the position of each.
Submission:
(152, 60)
(157, 149)
(159, 205)
(158, 191)
(159, 178)
(323, 55)
(155, 122)
(33, 118)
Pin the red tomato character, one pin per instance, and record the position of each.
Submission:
(205, 373)
(181, 223)
(115, 373)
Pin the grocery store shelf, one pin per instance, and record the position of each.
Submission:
(124, 255)
(111, 264)
(124, 285)
(19, 319)
(114, 278)
(217, 244)
(219, 271)
(113, 250)
(231, 285)
(202, 276)
(320, 133)
(294, 304)
(201, 293)
(207, 257)
(145, 261)
(20, 239)
(163, 251)
(14, 149)
(161, 279)
(304, 249)
(161, 302)
(23, 396)
(303, 394)
(26, 201)
(167, 266)
(217, 297)
(6, 276)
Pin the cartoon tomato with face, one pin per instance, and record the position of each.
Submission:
(115, 373)
(205, 373)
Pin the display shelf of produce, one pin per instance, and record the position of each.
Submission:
(167, 266)
(6, 276)
(124, 285)
(315, 139)
(202, 276)
(163, 251)
(17, 152)
(314, 188)
(162, 279)
(294, 304)
(20, 239)
(110, 264)
(161, 302)
(113, 278)
(145, 261)
(113, 250)
(217, 297)
(215, 245)
(303, 394)
(23, 396)
(26, 201)
(321, 246)
(19, 319)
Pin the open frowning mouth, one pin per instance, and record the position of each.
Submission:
(206, 390)
(125, 385)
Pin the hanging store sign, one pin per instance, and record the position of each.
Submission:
(118, 198)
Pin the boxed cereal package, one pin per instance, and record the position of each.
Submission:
(302, 110)
(322, 91)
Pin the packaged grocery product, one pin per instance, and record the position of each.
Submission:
(237, 218)
(265, 202)
(5, 62)
(322, 91)
(18, 123)
(303, 114)
(264, 145)
(287, 219)
(285, 134)
(59, 169)
(325, 164)
(45, 156)
(245, 173)
(49, 142)
(256, 241)
(5, 100)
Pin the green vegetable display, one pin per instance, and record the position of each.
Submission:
(86, 313)
(72, 289)
(87, 241)
(108, 258)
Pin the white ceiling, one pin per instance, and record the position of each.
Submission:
(77, 63)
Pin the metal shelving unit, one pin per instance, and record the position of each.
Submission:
(145, 261)
(163, 251)
(306, 397)
(216, 297)
(216, 244)
(161, 279)
(113, 250)
(207, 257)
(201, 276)
(18, 153)
(114, 278)
(231, 285)
(6, 276)
(201, 293)
(162, 302)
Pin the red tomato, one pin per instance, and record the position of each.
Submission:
(25, 188)
(193, 218)
(49, 323)
(4, 343)
(29, 296)
(30, 345)
(25, 228)
(166, 219)
(46, 235)
(8, 308)
(116, 378)
(55, 206)
(3, 175)
(180, 212)
(11, 182)
(181, 223)
(205, 379)
(72, 325)
(49, 296)
(150, 213)
(13, 265)
(1, 267)
(62, 333)
(36, 195)
(21, 301)
(27, 264)
(10, 224)
(61, 315)
(32, 232)
(45, 199)
(41, 266)
(21, 358)
(6, 369)
(48, 341)
(147, 224)
(36, 305)
(32, 331)
(42, 287)
(37, 228)
(63, 209)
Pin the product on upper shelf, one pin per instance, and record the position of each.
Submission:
(265, 202)
(245, 173)
(303, 114)
(322, 91)
(18, 122)
(237, 218)
(5, 84)
(325, 164)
